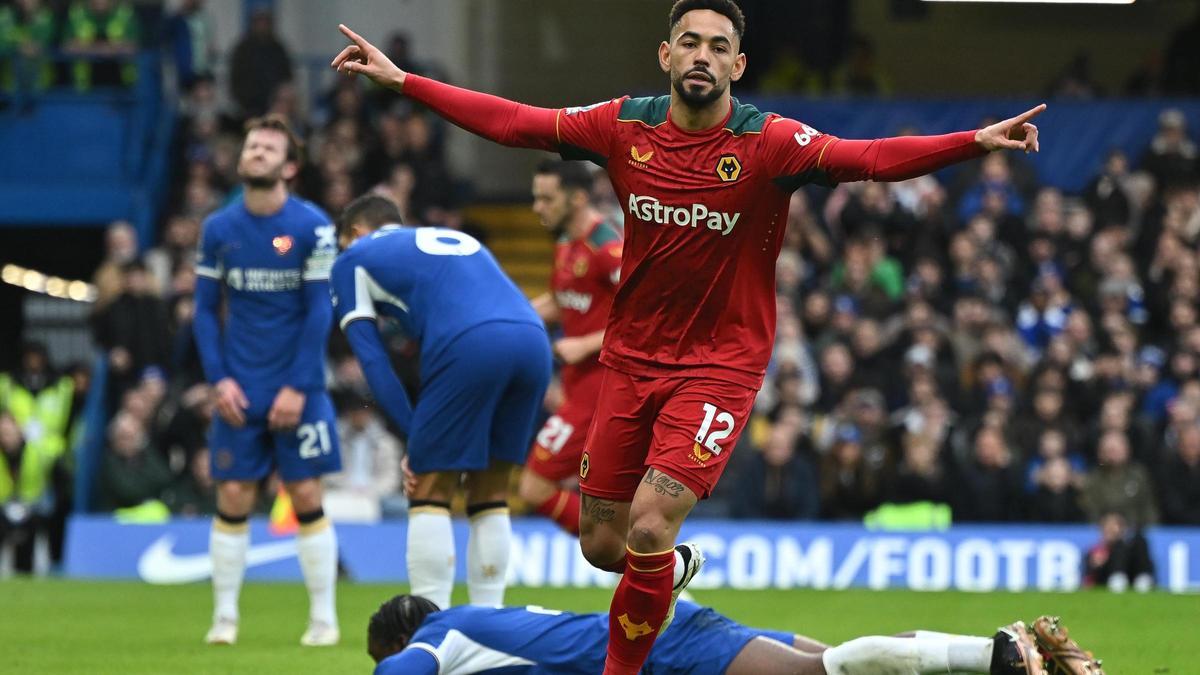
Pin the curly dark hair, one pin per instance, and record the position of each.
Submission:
(393, 624)
(728, 8)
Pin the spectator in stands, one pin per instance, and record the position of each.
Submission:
(40, 401)
(26, 41)
(194, 493)
(1180, 480)
(133, 329)
(259, 64)
(920, 477)
(26, 497)
(176, 250)
(191, 39)
(133, 472)
(105, 34)
(1105, 195)
(1171, 157)
(1056, 499)
(1119, 485)
(837, 376)
(995, 183)
(120, 249)
(988, 486)
(848, 487)
(1122, 555)
(369, 482)
(777, 482)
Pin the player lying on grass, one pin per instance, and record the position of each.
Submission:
(409, 636)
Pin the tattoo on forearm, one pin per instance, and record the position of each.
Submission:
(662, 483)
(599, 510)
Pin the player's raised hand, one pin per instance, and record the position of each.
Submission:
(231, 402)
(286, 410)
(1014, 133)
(363, 58)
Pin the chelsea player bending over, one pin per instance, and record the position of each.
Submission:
(485, 365)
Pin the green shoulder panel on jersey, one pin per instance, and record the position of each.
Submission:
(746, 119)
(649, 110)
(603, 234)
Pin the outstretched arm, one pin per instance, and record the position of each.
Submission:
(904, 157)
(807, 155)
(494, 118)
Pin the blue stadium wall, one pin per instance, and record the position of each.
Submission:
(743, 555)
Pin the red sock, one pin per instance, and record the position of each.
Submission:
(563, 508)
(638, 610)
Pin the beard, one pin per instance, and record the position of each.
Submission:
(693, 98)
(263, 181)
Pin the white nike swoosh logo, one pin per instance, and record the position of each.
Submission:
(159, 564)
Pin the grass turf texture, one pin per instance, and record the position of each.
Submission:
(58, 626)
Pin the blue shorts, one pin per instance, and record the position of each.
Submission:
(702, 642)
(250, 452)
(480, 397)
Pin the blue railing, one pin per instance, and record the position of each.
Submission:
(89, 450)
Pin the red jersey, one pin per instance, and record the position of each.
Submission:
(586, 273)
(705, 213)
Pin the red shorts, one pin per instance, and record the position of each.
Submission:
(684, 426)
(559, 445)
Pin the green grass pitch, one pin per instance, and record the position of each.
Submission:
(57, 626)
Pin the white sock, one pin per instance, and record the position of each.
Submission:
(965, 652)
(227, 545)
(893, 656)
(679, 570)
(316, 545)
(487, 556)
(431, 554)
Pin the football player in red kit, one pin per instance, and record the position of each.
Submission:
(587, 267)
(705, 182)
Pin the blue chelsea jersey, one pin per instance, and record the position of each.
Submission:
(435, 282)
(524, 640)
(537, 641)
(268, 266)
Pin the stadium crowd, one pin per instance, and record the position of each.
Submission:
(975, 339)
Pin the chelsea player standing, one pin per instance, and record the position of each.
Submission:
(271, 253)
(485, 365)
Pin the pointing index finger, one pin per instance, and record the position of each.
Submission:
(1030, 114)
(354, 37)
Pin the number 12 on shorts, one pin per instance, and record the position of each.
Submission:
(709, 437)
(314, 440)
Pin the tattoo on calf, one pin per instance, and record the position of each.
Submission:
(663, 484)
(599, 510)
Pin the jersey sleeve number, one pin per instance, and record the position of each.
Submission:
(555, 434)
(709, 439)
(805, 138)
(314, 440)
(438, 241)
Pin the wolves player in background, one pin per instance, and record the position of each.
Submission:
(705, 182)
(271, 253)
(408, 636)
(587, 266)
(485, 364)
